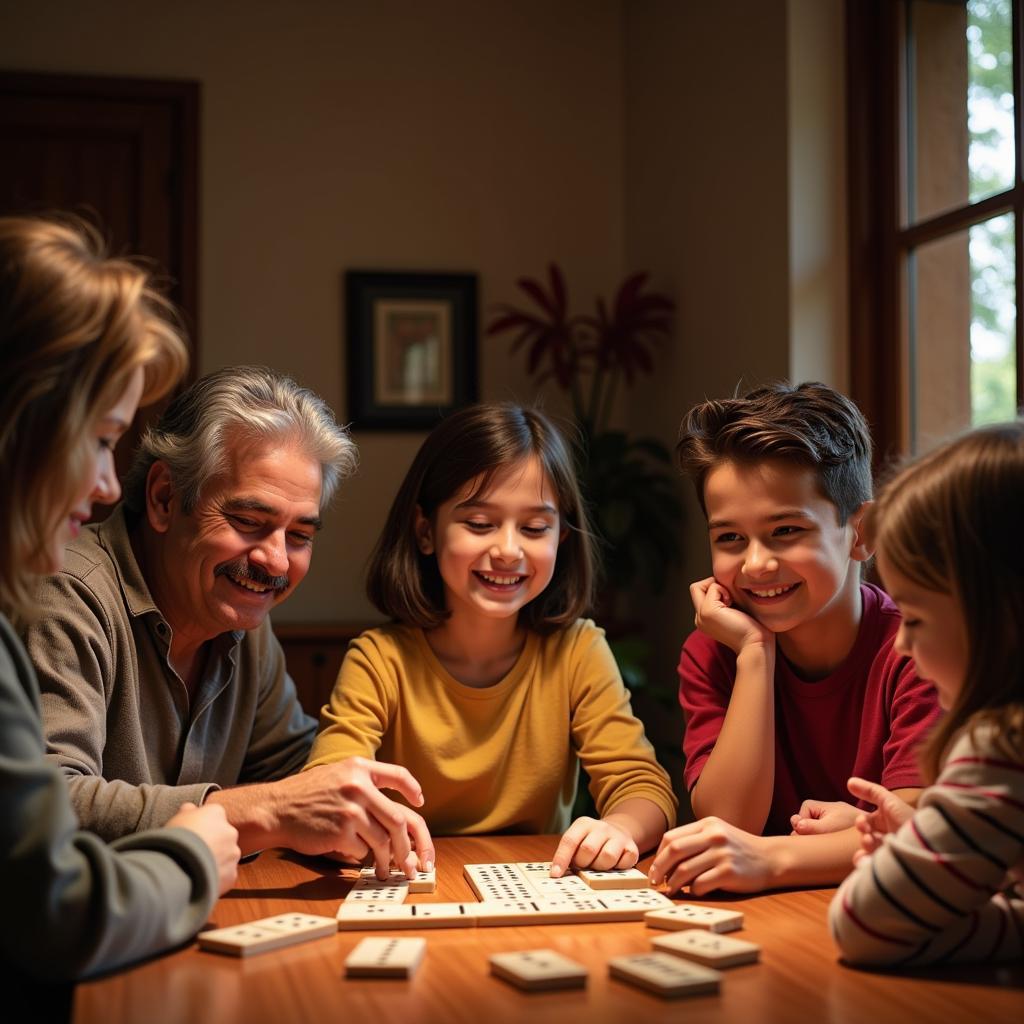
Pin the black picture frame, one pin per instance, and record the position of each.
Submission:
(411, 346)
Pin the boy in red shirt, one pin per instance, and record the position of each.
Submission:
(790, 685)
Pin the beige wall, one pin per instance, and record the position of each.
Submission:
(487, 136)
(707, 213)
(450, 135)
(819, 306)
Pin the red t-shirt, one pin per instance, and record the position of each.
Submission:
(867, 718)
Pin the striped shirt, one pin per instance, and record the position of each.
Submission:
(941, 889)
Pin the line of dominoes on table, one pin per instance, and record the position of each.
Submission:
(509, 893)
(681, 963)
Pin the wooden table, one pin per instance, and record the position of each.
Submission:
(798, 978)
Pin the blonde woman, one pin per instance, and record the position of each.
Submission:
(83, 341)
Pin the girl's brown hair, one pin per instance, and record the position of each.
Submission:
(950, 522)
(475, 444)
(75, 324)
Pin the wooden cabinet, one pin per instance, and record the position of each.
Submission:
(313, 653)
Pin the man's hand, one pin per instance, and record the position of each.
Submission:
(211, 825)
(337, 808)
(716, 616)
(890, 812)
(712, 854)
(598, 844)
(816, 817)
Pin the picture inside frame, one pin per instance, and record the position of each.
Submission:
(413, 352)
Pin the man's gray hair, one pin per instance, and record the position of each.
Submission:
(238, 403)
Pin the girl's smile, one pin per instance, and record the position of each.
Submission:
(502, 583)
(495, 549)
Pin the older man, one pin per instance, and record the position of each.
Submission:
(162, 680)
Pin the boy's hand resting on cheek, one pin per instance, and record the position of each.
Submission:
(711, 854)
(816, 817)
(890, 812)
(716, 616)
(602, 845)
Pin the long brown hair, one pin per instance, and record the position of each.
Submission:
(75, 324)
(950, 522)
(475, 444)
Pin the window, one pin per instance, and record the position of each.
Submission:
(936, 199)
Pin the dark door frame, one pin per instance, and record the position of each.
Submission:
(181, 99)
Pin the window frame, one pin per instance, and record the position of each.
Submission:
(880, 243)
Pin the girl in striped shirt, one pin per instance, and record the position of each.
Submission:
(942, 883)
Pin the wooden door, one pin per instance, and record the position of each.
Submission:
(123, 153)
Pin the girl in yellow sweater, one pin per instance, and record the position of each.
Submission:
(487, 684)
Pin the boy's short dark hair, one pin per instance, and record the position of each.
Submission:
(479, 442)
(809, 425)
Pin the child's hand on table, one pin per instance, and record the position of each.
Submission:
(594, 843)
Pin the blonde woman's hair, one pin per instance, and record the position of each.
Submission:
(75, 324)
(950, 522)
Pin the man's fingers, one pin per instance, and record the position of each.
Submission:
(394, 776)
(353, 851)
(421, 841)
(379, 843)
(393, 819)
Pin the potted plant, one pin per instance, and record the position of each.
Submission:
(629, 482)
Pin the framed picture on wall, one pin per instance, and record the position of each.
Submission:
(411, 343)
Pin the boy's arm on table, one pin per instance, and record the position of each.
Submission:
(817, 817)
(713, 854)
(737, 779)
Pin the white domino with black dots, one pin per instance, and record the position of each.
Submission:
(690, 915)
(385, 958)
(538, 970)
(266, 934)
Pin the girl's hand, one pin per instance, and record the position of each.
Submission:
(716, 616)
(890, 812)
(596, 844)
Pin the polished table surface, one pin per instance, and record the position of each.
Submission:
(799, 977)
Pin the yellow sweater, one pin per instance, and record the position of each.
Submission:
(500, 758)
